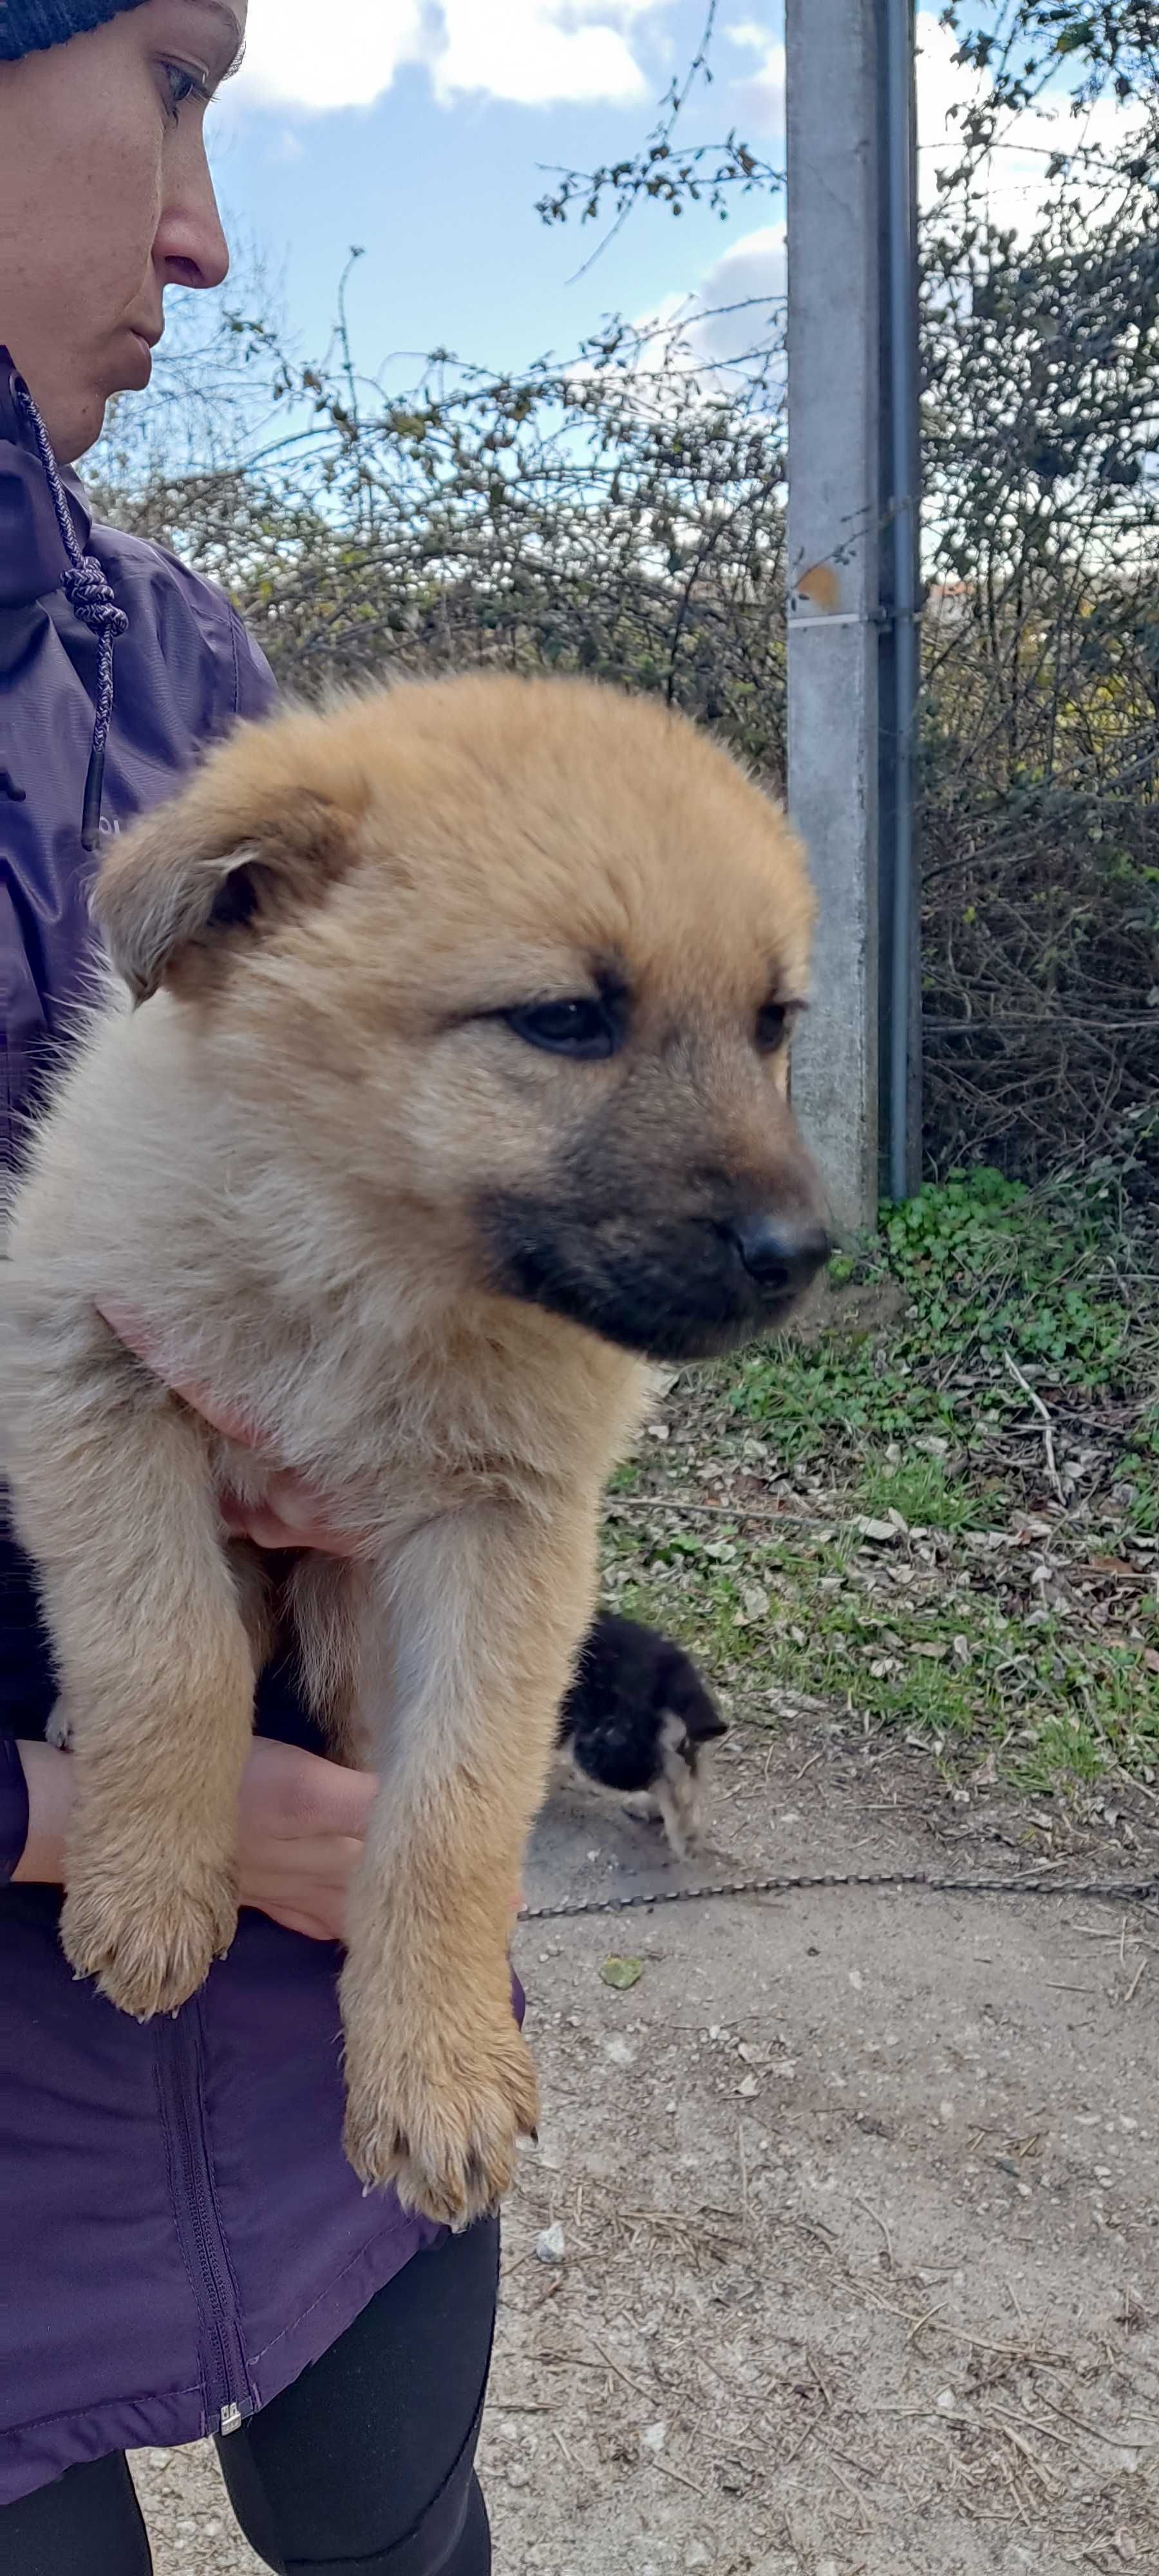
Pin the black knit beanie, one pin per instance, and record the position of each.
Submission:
(29, 26)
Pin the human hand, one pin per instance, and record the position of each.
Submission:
(300, 1828)
(301, 1825)
(49, 1779)
(293, 1514)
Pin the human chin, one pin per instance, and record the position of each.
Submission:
(75, 424)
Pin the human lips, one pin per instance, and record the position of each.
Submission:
(143, 341)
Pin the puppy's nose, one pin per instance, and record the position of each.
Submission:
(782, 1253)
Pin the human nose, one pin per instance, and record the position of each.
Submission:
(190, 248)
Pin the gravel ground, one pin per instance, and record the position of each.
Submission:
(858, 2202)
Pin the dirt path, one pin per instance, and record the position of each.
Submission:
(860, 2208)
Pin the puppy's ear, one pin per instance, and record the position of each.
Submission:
(687, 1697)
(245, 843)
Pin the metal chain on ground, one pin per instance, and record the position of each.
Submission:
(1112, 1891)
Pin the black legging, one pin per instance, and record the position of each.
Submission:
(366, 2463)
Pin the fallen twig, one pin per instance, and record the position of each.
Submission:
(1053, 1478)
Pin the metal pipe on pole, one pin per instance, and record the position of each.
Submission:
(901, 630)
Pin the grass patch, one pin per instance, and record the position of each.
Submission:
(924, 1493)
(950, 1564)
(990, 1275)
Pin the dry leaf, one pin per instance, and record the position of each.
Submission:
(622, 1973)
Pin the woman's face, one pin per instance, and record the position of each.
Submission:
(106, 199)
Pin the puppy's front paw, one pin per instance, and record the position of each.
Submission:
(441, 2120)
(148, 1941)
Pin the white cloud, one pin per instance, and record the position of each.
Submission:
(536, 51)
(728, 311)
(728, 315)
(539, 52)
(753, 266)
(707, 317)
(533, 52)
(1018, 185)
(756, 103)
(343, 56)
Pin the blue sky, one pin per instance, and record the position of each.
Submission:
(420, 130)
(437, 174)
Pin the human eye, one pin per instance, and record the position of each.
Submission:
(180, 84)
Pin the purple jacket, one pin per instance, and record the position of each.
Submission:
(180, 2233)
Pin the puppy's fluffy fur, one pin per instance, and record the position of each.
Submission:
(636, 1721)
(446, 1065)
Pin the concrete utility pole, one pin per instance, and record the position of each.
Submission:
(852, 535)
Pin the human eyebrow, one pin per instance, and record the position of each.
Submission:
(231, 30)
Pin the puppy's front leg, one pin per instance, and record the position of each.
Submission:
(113, 1495)
(483, 1611)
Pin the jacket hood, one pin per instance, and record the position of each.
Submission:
(86, 587)
(33, 559)
(75, 598)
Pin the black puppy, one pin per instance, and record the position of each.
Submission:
(635, 1721)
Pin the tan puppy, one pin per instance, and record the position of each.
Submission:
(457, 1081)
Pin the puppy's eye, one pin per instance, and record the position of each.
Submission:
(584, 1029)
(772, 1027)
